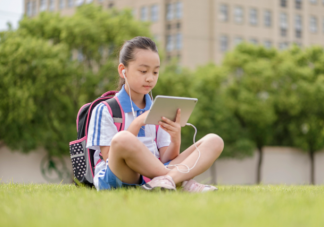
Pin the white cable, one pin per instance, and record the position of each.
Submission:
(130, 95)
(188, 169)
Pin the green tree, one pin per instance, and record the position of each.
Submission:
(299, 91)
(51, 65)
(213, 116)
(35, 90)
(249, 93)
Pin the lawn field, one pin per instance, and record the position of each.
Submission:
(67, 205)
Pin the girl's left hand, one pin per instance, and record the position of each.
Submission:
(173, 128)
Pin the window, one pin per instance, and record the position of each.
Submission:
(298, 26)
(110, 5)
(313, 1)
(283, 24)
(267, 18)
(178, 25)
(154, 13)
(179, 41)
(169, 26)
(313, 24)
(29, 9)
(283, 45)
(253, 16)
(323, 24)
(223, 43)
(283, 3)
(144, 13)
(88, 1)
(238, 40)
(42, 5)
(178, 10)
(62, 4)
(169, 43)
(298, 44)
(70, 3)
(254, 41)
(80, 55)
(267, 44)
(223, 12)
(51, 5)
(238, 15)
(169, 11)
(298, 4)
(78, 2)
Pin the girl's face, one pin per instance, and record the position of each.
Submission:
(142, 73)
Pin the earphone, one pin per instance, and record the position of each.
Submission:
(155, 145)
(130, 96)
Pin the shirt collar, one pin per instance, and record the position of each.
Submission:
(125, 101)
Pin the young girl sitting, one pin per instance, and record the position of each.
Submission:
(135, 152)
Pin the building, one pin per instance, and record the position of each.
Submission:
(198, 32)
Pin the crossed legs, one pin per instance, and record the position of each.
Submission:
(128, 158)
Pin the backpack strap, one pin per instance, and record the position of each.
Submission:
(116, 112)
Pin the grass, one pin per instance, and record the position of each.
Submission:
(67, 205)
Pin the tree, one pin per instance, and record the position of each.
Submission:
(300, 89)
(35, 90)
(51, 65)
(249, 93)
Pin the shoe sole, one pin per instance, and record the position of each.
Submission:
(144, 187)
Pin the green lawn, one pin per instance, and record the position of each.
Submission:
(66, 205)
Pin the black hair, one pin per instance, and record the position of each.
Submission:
(126, 53)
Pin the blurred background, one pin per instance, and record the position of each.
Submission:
(256, 67)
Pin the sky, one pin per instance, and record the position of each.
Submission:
(10, 10)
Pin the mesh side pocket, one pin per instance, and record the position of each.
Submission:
(77, 152)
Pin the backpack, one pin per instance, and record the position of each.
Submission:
(81, 157)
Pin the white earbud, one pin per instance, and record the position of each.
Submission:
(123, 72)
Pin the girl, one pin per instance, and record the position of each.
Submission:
(133, 153)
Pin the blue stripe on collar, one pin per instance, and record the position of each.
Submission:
(124, 100)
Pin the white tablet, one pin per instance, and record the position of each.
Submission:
(167, 106)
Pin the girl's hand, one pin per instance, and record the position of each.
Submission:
(141, 118)
(173, 128)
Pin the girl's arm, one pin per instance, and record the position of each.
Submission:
(138, 122)
(174, 129)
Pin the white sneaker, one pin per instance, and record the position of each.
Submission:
(194, 186)
(163, 182)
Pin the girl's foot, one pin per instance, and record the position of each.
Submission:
(194, 186)
(163, 182)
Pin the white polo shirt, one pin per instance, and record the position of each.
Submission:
(102, 128)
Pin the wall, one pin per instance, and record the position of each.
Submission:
(281, 165)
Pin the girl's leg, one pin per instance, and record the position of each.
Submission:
(210, 146)
(128, 158)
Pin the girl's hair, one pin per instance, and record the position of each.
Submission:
(126, 53)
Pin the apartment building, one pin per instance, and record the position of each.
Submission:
(198, 32)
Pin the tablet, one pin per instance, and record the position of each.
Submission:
(167, 106)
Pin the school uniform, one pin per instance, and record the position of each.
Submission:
(102, 129)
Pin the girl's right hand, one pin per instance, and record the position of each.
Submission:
(141, 118)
